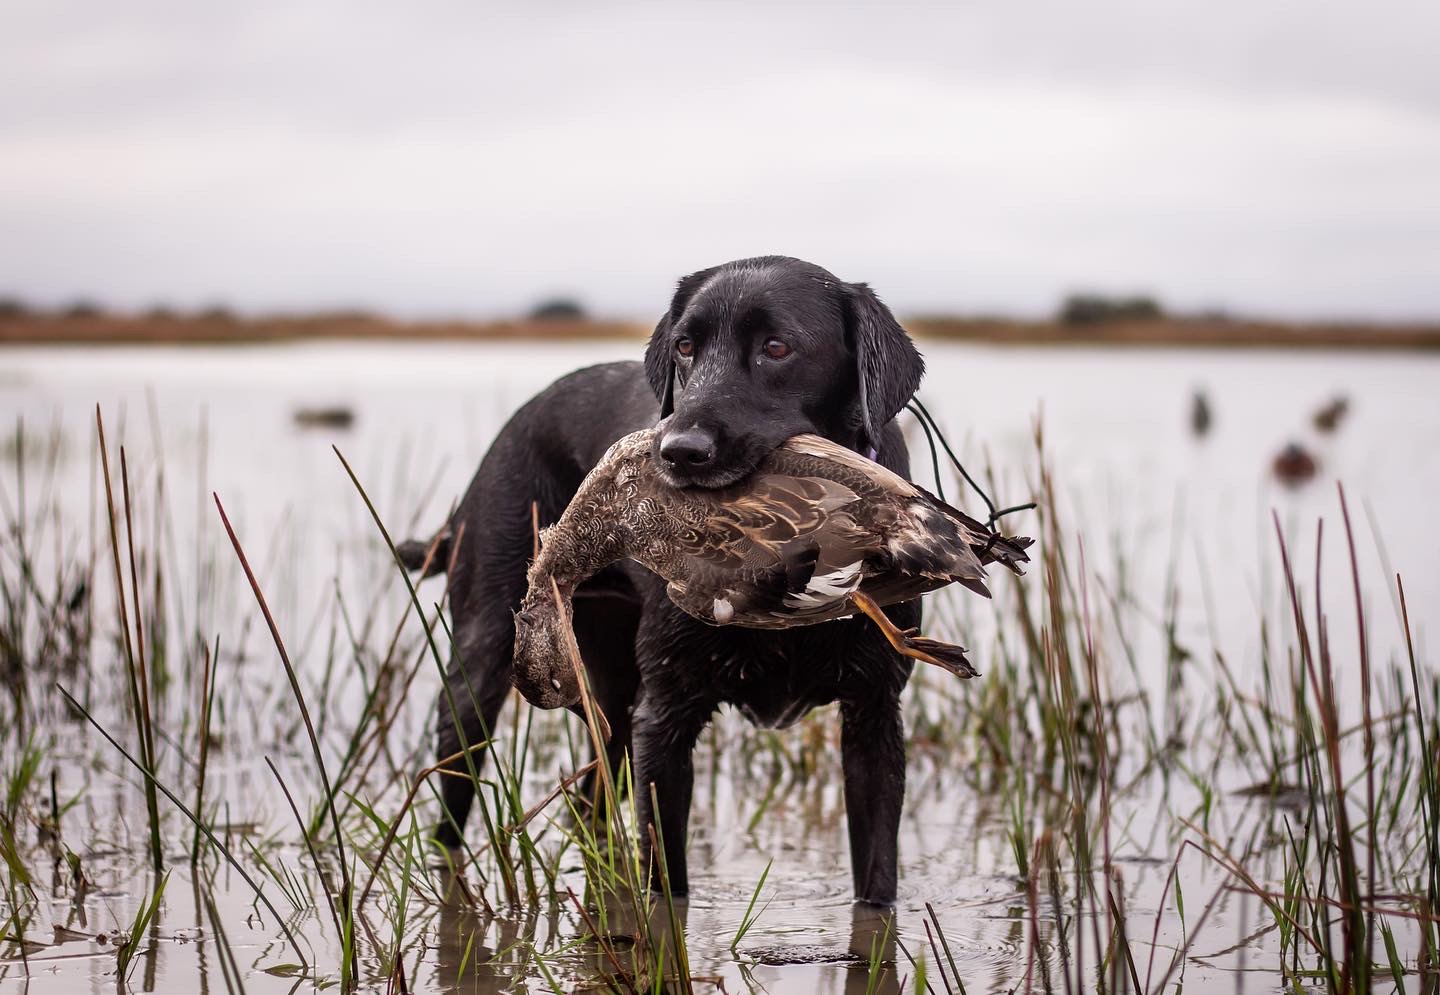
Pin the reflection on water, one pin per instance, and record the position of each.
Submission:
(1160, 504)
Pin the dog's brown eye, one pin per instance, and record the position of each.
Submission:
(685, 347)
(776, 349)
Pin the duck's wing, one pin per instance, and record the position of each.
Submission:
(758, 524)
(718, 594)
(810, 577)
(804, 455)
(751, 550)
(870, 479)
(927, 547)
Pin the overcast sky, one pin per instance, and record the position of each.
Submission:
(468, 158)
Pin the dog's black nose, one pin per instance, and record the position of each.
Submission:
(690, 448)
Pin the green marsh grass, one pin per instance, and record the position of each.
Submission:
(1121, 824)
(146, 915)
(135, 669)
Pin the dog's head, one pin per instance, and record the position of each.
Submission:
(759, 350)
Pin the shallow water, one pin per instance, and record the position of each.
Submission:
(1116, 420)
(1149, 500)
(1116, 424)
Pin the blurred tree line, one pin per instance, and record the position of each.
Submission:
(1099, 309)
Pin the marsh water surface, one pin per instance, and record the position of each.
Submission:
(1172, 531)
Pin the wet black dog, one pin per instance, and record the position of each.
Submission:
(749, 354)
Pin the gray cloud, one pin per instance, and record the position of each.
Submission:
(454, 157)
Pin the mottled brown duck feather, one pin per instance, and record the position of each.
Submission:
(815, 528)
(783, 547)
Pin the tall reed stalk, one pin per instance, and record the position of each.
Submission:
(134, 650)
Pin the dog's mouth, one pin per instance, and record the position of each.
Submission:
(707, 480)
(713, 477)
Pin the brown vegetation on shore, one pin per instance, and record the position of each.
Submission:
(1179, 331)
(92, 328)
(215, 328)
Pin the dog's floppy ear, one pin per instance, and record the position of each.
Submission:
(660, 353)
(889, 366)
(660, 366)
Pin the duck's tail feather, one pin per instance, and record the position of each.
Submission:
(990, 547)
(1006, 550)
(433, 555)
(974, 584)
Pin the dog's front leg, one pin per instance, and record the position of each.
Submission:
(872, 745)
(663, 738)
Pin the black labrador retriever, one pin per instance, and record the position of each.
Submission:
(750, 353)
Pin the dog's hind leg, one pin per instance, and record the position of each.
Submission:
(477, 683)
(494, 535)
(525, 481)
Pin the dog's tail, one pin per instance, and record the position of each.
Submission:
(430, 555)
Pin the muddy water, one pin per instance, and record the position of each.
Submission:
(1152, 502)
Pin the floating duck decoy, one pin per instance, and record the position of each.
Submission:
(816, 532)
(1294, 465)
(1328, 418)
(1200, 414)
(331, 417)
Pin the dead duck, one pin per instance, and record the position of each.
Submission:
(816, 532)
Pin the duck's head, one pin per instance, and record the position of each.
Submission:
(544, 644)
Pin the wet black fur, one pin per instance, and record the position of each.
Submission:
(659, 674)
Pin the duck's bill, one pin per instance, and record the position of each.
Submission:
(545, 690)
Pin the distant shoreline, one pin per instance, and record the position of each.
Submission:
(1167, 332)
(1183, 333)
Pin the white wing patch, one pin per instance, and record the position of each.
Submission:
(825, 589)
(723, 610)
